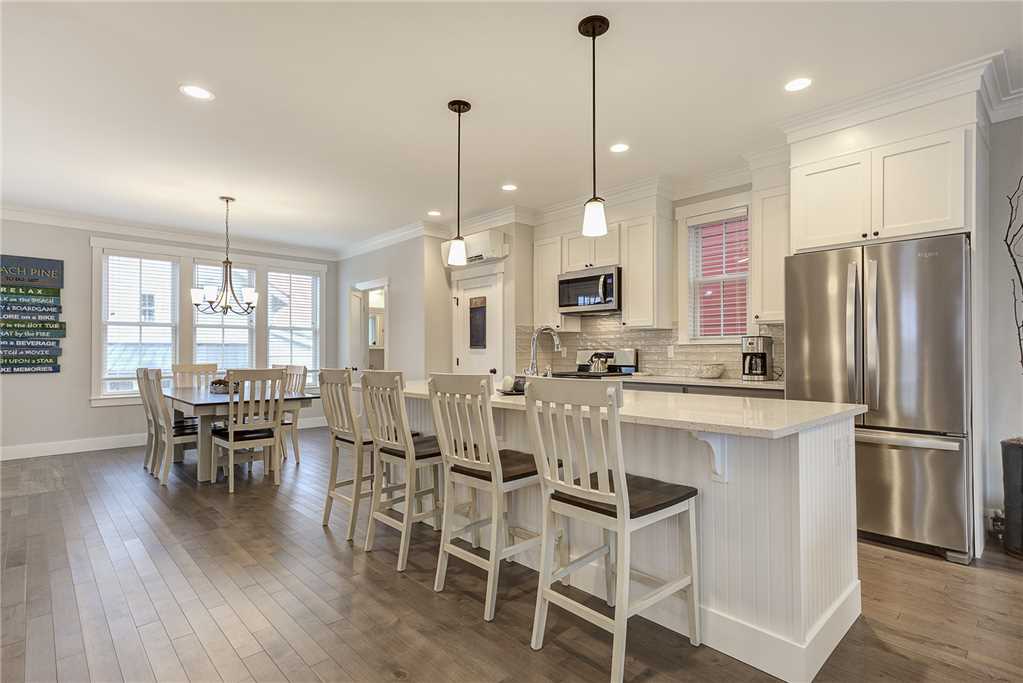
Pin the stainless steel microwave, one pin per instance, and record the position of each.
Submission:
(594, 291)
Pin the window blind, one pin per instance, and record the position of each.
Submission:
(719, 277)
(227, 340)
(293, 312)
(139, 319)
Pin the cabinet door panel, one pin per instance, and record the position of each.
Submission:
(605, 249)
(831, 201)
(638, 273)
(578, 252)
(546, 268)
(770, 245)
(919, 185)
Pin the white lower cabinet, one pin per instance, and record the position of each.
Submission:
(769, 245)
(647, 273)
(546, 268)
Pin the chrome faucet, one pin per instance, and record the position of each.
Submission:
(534, 343)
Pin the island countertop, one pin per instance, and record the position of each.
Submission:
(765, 418)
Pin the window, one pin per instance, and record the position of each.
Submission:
(719, 277)
(139, 319)
(293, 310)
(227, 340)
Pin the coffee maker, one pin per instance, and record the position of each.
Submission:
(756, 358)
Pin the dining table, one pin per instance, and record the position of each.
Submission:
(207, 406)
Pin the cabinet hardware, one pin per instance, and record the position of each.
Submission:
(864, 235)
(876, 233)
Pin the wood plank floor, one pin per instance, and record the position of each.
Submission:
(106, 576)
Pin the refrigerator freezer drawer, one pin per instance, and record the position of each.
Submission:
(914, 487)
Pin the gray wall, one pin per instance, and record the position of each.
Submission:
(1005, 385)
(48, 408)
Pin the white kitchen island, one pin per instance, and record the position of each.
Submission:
(776, 514)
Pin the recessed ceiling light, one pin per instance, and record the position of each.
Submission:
(433, 213)
(619, 147)
(509, 187)
(796, 84)
(196, 91)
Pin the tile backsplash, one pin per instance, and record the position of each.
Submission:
(606, 332)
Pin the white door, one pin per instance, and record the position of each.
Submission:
(479, 325)
(357, 330)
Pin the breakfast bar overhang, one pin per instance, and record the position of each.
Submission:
(777, 517)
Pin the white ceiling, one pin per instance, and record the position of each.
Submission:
(330, 122)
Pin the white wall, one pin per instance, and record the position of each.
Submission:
(54, 408)
(1005, 383)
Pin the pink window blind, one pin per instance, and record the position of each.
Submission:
(719, 277)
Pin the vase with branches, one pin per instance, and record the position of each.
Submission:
(1012, 449)
(1014, 244)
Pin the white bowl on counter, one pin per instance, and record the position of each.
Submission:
(704, 370)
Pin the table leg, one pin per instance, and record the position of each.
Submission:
(179, 449)
(205, 469)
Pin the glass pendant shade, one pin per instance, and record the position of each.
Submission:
(250, 296)
(594, 221)
(456, 255)
(197, 296)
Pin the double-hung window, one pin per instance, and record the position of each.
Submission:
(293, 316)
(227, 340)
(719, 259)
(139, 319)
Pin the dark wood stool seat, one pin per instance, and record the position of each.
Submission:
(646, 495)
(515, 465)
(424, 447)
(249, 435)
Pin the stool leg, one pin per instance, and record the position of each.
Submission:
(294, 437)
(374, 501)
(332, 481)
(496, 546)
(438, 502)
(406, 517)
(445, 535)
(474, 514)
(356, 489)
(546, 569)
(609, 572)
(168, 456)
(230, 470)
(622, 565)
(695, 628)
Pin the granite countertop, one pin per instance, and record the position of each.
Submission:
(766, 418)
(775, 385)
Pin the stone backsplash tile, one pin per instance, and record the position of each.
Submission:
(607, 332)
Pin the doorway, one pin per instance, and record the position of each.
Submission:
(369, 322)
(478, 319)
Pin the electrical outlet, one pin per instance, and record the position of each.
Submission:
(671, 351)
(564, 352)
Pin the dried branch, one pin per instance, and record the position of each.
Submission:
(1014, 239)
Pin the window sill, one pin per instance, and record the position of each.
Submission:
(113, 401)
(718, 341)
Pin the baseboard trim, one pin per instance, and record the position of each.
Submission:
(102, 443)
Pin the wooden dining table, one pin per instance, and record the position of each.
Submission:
(207, 406)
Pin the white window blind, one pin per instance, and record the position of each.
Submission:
(719, 276)
(139, 319)
(227, 340)
(293, 310)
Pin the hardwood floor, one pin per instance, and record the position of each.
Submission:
(106, 576)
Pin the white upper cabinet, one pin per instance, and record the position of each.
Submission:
(590, 252)
(769, 245)
(831, 201)
(919, 185)
(647, 273)
(546, 268)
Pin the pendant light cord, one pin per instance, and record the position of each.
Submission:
(227, 231)
(593, 72)
(458, 182)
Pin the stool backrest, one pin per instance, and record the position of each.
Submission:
(339, 404)
(194, 374)
(383, 399)
(464, 420)
(256, 399)
(147, 406)
(567, 428)
(153, 394)
(295, 378)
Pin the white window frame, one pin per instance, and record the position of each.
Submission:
(312, 378)
(254, 324)
(686, 217)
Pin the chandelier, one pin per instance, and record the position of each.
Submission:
(225, 300)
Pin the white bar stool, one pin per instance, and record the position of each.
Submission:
(592, 486)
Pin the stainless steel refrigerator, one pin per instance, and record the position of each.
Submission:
(888, 325)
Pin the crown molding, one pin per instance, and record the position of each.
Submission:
(500, 217)
(62, 219)
(410, 231)
(657, 187)
(987, 75)
(712, 182)
(776, 156)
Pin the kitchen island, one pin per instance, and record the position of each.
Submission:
(776, 516)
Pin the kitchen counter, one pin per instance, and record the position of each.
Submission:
(730, 383)
(765, 418)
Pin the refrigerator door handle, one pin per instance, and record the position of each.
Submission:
(851, 291)
(908, 441)
(872, 340)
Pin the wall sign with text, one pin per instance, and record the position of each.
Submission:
(30, 324)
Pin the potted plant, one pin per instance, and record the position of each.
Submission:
(1012, 449)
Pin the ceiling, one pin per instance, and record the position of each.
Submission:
(330, 123)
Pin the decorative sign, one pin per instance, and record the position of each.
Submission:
(30, 324)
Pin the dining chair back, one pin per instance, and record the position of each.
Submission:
(338, 400)
(295, 377)
(170, 433)
(294, 383)
(193, 374)
(151, 429)
(383, 399)
(256, 400)
(464, 421)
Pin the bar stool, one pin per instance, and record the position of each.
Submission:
(383, 398)
(464, 420)
(593, 487)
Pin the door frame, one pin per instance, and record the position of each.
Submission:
(364, 286)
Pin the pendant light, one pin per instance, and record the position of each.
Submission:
(594, 221)
(456, 254)
(224, 300)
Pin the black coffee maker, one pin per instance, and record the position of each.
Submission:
(756, 358)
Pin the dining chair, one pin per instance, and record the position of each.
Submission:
(383, 398)
(580, 459)
(464, 419)
(295, 379)
(254, 412)
(193, 374)
(170, 432)
(151, 424)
